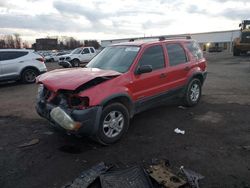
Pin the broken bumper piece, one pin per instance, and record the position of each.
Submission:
(71, 120)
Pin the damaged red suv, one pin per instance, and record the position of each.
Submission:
(121, 81)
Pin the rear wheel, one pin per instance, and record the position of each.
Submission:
(29, 76)
(193, 93)
(114, 123)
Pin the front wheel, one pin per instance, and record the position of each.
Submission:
(114, 123)
(193, 93)
(75, 62)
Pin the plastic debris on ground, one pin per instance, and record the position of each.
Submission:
(182, 107)
(132, 177)
(164, 176)
(30, 143)
(178, 131)
(192, 177)
(88, 176)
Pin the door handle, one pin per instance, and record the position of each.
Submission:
(187, 68)
(163, 75)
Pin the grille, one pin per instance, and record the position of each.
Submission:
(245, 38)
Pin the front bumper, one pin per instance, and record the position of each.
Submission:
(87, 120)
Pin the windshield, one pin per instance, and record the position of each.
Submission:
(76, 51)
(117, 58)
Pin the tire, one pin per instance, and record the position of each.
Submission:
(29, 76)
(236, 52)
(113, 130)
(193, 93)
(75, 62)
(52, 60)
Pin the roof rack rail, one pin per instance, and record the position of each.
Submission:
(161, 38)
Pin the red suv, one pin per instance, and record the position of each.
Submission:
(121, 81)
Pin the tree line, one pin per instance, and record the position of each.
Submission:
(64, 42)
(12, 41)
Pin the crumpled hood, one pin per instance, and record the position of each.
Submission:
(71, 79)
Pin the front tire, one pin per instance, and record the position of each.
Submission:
(75, 62)
(236, 52)
(113, 124)
(29, 76)
(193, 93)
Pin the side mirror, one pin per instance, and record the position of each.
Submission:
(144, 69)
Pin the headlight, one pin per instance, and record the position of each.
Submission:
(40, 88)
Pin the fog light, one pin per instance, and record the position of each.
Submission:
(63, 119)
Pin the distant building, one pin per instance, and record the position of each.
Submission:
(221, 39)
(46, 44)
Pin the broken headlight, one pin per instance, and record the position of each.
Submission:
(78, 102)
(40, 88)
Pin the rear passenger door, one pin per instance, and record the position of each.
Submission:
(178, 65)
(11, 63)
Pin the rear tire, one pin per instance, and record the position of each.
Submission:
(114, 122)
(29, 76)
(193, 93)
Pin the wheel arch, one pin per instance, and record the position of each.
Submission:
(122, 98)
(29, 67)
(199, 76)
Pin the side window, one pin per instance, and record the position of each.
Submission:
(194, 48)
(85, 51)
(92, 50)
(176, 54)
(8, 55)
(153, 56)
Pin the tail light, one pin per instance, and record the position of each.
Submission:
(41, 59)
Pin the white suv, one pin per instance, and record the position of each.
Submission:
(77, 56)
(20, 64)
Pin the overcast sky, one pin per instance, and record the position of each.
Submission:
(109, 19)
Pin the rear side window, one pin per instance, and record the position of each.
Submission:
(176, 54)
(8, 55)
(92, 50)
(194, 48)
(85, 51)
(153, 56)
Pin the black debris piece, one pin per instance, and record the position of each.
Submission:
(132, 177)
(192, 177)
(88, 176)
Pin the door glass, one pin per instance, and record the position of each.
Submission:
(153, 56)
(176, 54)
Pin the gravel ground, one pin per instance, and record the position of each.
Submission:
(216, 131)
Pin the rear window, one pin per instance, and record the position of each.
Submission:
(8, 55)
(194, 48)
(92, 50)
